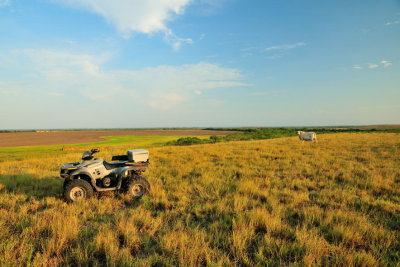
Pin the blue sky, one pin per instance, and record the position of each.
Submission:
(186, 63)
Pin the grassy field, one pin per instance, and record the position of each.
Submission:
(111, 142)
(265, 202)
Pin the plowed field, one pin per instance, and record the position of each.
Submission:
(73, 137)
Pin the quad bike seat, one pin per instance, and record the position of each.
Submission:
(113, 165)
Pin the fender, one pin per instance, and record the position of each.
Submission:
(128, 170)
(78, 173)
(125, 172)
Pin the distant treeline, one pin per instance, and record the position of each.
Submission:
(16, 131)
(243, 134)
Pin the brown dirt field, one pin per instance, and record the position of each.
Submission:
(75, 137)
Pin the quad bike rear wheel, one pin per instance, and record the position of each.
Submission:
(136, 186)
(77, 190)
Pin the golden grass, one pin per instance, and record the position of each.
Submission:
(271, 202)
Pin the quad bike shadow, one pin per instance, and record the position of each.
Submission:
(30, 185)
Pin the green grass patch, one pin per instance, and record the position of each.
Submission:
(131, 141)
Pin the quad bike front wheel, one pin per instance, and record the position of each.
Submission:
(77, 190)
(136, 186)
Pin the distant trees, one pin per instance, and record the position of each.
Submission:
(246, 134)
(242, 134)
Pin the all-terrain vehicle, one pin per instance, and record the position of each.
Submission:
(91, 175)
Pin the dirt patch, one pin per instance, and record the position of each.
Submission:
(75, 137)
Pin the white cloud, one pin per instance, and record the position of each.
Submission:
(285, 46)
(56, 61)
(175, 41)
(165, 101)
(129, 16)
(373, 66)
(161, 87)
(392, 22)
(133, 15)
(249, 48)
(4, 3)
(386, 63)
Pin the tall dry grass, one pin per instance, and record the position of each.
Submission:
(263, 203)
